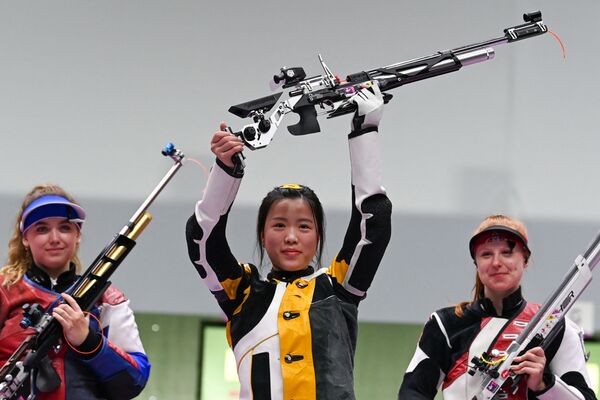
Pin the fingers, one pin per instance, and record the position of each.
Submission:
(70, 314)
(72, 319)
(71, 301)
(376, 89)
(536, 355)
(369, 107)
(532, 361)
(532, 364)
(370, 92)
(370, 89)
(224, 145)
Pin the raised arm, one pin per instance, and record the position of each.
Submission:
(205, 231)
(369, 229)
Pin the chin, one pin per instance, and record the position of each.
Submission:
(290, 268)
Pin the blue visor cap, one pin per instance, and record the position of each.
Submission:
(51, 206)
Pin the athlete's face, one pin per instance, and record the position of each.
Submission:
(290, 235)
(500, 264)
(53, 243)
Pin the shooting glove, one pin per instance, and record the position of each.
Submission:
(369, 102)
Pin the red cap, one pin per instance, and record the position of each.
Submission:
(521, 236)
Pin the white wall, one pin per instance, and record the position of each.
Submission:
(90, 92)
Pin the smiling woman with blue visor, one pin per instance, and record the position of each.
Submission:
(42, 265)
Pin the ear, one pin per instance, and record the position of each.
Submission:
(25, 242)
(262, 239)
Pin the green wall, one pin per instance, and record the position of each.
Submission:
(173, 345)
(382, 354)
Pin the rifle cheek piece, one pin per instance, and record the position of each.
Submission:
(247, 109)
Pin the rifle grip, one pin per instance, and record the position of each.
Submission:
(237, 158)
(308, 121)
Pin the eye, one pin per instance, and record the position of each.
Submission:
(306, 226)
(66, 228)
(40, 229)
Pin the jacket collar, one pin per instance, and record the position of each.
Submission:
(289, 276)
(40, 277)
(511, 304)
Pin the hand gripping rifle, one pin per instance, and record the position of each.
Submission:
(540, 331)
(29, 363)
(331, 95)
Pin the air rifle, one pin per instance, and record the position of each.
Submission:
(29, 362)
(330, 95)
(540, 331)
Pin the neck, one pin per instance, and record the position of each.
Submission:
(289, 276)
(57, 283)
(54, 273)
(497, 303)
(497, 299)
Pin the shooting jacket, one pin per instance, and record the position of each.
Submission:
(116, 368)
(294, 334)
(448, 344)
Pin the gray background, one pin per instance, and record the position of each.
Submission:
(91, 91)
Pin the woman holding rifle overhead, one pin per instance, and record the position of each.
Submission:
(483, 328)
(101, 357)
(294, 333)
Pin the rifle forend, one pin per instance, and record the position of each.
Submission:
(329, 95)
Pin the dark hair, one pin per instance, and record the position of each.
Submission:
(291, 191)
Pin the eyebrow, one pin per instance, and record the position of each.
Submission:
(299, 220)
(45, 223)
(483, 249)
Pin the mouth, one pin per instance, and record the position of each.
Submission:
(291, 252)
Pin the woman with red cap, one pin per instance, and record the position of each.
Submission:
(489, 323)
(94, 362)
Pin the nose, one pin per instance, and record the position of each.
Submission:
(496, 262)
(290, 236)
(54, 235)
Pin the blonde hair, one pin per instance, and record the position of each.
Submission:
(489, 221)
(19, 257)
